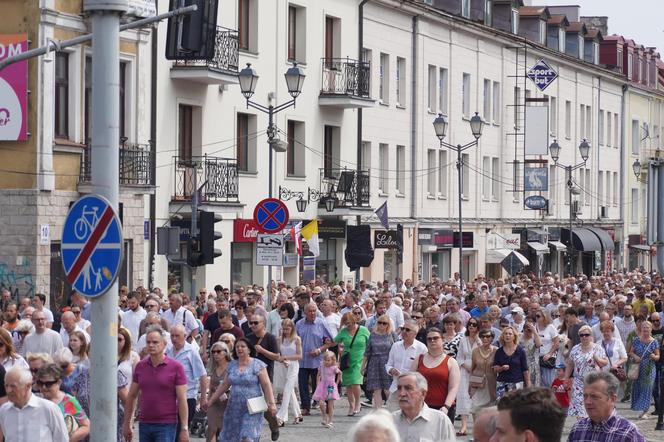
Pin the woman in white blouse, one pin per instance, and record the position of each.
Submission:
(613, 347)
(549, 349)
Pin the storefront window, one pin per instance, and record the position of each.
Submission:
(242, 264)
(390, 267)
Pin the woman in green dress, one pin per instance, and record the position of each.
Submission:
(351, 377)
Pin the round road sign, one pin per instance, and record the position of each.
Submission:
(271, 215)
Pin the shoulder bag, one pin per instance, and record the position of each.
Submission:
(633, 372)
(618, 372)
(344, 362)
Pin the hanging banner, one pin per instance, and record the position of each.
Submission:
(537, 130)
(536, 179)
(14, 89)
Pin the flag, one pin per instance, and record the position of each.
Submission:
(310, 233)
(295, 236)
(381, 213)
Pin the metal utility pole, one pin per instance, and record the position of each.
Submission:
(105, 16)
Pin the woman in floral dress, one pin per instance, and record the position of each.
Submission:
(645, 352)
(375, 357)
(584, 358)
(531, 342)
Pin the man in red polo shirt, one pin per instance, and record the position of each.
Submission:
(163, 387)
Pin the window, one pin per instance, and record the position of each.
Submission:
(365, 160)
(61, 126)
(581, 181)
(636, 137)
(297, 32)
(332, 37)
(561, 39)
(431, 174)
(609, 132)
(488, 13)
(553, 115)
(600, 123)
(568, 119)
(242, 142)
(543, 32)
(383, 164)
(619, 61)
(589, 123)
(442, 173)
(595, 52)
(600, 188)
(496, 102)
(616, 128)
(123, 99)
(552, 187)
(615, 188)
(401, 170)
(185, 133)
(295, 155)
(581, 47)
(246, 25)
(566, 192)
(629, 66)
(582, 121)
(87, 100)
(486, 178)
(465, 95)
(465, 8)
(487, 100)
(495, 175)
(635, 206)
(608, 188)
(465, 176)
(384, 79)
(588, 187)
(442, 90)
(431, 97)
(401, 81)
(331, 150)
(518, 105)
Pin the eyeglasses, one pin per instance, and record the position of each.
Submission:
(654, 320)
(486, 336)
(254, 322)
(357, 313)
(584, 335)
(47, 384)
(433, 338)
(472, 324)
(383, 323)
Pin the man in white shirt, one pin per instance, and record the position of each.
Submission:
(273, 324)
(68, 321)
(26, 417)
(393, 311)
(39, 301)
(177, 314)
(400, 360)
(333, 319)
(43, 340)
(415, 420)
(132, 317)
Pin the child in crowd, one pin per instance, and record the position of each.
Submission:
(326, 392)
(561, 387)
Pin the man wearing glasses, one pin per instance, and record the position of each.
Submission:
(402, 355)
(43, 340)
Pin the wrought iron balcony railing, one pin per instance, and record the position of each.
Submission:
(226, 53)
(136, 163)
(345, 76)
(220, 176)
(350, 186)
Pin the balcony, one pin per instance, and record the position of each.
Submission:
(221, 69)
(350, 186)
(345, 83)
(219, 175)
(136, 163)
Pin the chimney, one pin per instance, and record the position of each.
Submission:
(571, 11)
(597, 22)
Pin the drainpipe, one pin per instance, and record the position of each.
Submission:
(623, 107)
(360, 47)
(413, 125)
(660, 221)
(153, 153)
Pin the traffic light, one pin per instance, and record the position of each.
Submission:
(207, 236)
(194, 255)
(192, 36)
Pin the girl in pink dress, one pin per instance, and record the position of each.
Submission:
(326, 392)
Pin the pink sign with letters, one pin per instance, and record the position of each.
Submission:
(14, 89)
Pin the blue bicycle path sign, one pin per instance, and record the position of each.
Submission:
(92, 245)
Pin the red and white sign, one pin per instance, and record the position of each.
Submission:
(14, 89)
(245, 230)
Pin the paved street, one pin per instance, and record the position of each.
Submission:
(311, 429)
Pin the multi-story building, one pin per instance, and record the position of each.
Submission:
(43, 174)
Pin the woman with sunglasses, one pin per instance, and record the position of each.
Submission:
(290, 351)
(375, 357)
(220, 356)
(482, 379)
(441, 372)
(468, 343)
(584, 358)
(49, 380)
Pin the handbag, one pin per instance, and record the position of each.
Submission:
(633, 372)
(256, 405)
(547, 363)
(344, 362)
(619, 373)
(477, 381)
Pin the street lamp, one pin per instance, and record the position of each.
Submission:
(584, 151)
(248, 78)
(440, 125)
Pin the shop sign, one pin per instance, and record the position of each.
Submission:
(385, 239)
(536, 179)
(467, 240)
(244, 230)
(308, 268)
(443, 238)
(536, 202)
(424, 237)
(330, 228)
(510, 241)
(14, 89)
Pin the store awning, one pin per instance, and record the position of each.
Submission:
(640, 247)
(604, 238)
(514, 262)
(538, 247)
(496, 256)
(521, 258)
(560, 247)
(583, 239)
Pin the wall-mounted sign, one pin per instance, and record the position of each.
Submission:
(536, 202)
(385, 239)
(330, 228)
(14, 89)
(468, 240)
(443, 238)
(244, 230)
(270, 249)
(510, 241)
(542, 74)
(424, 237)
(536, 179)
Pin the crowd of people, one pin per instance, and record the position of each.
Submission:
(424, 360)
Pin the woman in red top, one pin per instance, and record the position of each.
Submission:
(441, 372)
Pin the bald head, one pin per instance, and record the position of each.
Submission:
(68, 321)
(485, 424)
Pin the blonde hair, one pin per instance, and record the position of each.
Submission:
(291, 324)
(329, 354)
(514, 331)
(385, 318)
